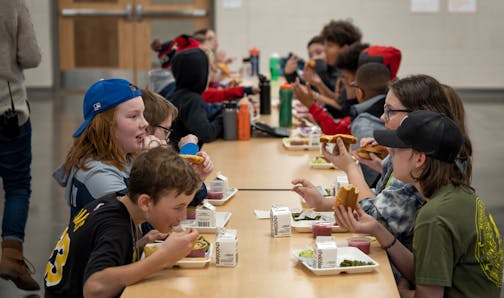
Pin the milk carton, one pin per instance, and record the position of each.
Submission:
(325, 252)
(226, 248)
(280, 217)
(205, 215)
(314, 136)
(224, 179)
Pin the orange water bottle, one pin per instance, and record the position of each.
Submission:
(244, 122)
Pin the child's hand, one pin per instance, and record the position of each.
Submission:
(206, 168)
(355, 221)
(291, 65)
(340, 157)
(188, 139)
(311, 195)
(150, 237)
(151, 141)
(178, 245)
(303, 93)
(375, 162)
(310, 76)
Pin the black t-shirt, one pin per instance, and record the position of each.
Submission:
(98, 237)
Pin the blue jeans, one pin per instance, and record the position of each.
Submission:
(15, 162)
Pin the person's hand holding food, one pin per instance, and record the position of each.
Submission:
(311, 195)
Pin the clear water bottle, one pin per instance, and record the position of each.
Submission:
(230, 120)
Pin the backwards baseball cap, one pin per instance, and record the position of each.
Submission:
(103, 95)
(432, 133)
(167, 50)
(388, 56)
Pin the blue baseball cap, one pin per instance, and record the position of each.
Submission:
(103, 95)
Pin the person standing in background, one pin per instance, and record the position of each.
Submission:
(18, 51)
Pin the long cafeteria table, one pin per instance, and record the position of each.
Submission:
(266, 267)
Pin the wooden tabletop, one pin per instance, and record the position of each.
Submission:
(264, 163)
(266, 267)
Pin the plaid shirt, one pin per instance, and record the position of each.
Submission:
(395, 206)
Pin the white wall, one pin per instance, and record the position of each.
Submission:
(42, 76)
(462, 50)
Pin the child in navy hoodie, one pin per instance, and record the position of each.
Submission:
(191, 69)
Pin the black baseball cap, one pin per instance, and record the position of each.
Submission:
(432, 133)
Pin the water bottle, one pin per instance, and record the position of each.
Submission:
(246, 68)
(274, 65)
(264, 95)
(254, 60)
(244, 122)
(285, 116)
(230, 121)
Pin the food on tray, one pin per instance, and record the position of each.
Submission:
(298, 142)
(322, 228)
(199, 250)
(351, 263)
(215, 195)
(306, 215)
(311, 64)
(347, 139)
(306, 253)
(347, 196)
(196, 159)
(320, 160)
(380, 151)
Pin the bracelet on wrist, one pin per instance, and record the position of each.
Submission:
(391, 244)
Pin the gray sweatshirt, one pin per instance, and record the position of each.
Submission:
(18, 51)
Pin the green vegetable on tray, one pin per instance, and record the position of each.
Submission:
(305, 216)
(351, 263)
(306, 253)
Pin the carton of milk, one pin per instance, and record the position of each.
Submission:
(225, 181)
(226, 248)
(280, 220)
(205, 215)
(314, 136)
(325, 252)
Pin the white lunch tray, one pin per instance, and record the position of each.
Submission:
(230, 193)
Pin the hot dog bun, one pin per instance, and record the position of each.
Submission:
(195, 159)
(347, 139)
(347, 196)
(380, 151)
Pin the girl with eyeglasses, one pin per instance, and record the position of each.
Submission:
(393, 203)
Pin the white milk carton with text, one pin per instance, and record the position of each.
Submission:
(280, 220)
(325, 252)
(226, 248)
(205, 215)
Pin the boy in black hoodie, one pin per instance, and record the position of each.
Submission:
(191, 70)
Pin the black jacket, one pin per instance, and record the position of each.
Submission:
(190, 68)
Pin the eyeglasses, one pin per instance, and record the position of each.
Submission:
(167, 131)
(387, 111)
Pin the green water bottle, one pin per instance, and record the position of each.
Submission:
(285, 116)
(274, 64)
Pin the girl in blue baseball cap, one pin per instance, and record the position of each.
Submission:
(113, 130)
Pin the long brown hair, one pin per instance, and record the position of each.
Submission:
(97, 142)
(422, 92)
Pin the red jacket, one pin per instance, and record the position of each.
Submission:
(328, 124)
(213, 95)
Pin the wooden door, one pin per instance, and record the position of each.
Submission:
(111, 38)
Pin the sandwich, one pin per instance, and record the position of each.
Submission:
(311, 64)
(347, 139)
(347, 196)
(364, 152)
(199, 250)
(195, 159)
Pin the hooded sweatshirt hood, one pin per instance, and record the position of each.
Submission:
(190, 68)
